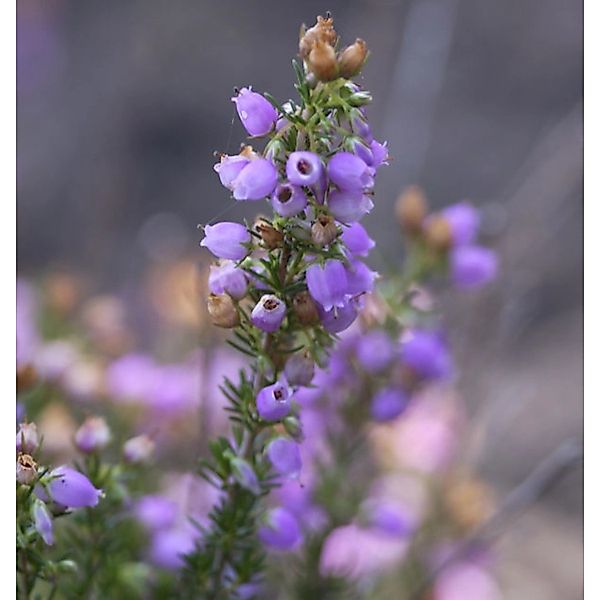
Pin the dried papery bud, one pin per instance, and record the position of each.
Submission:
(305, 309)
(26, 377)
(324, 230)
(93, 435)
(374, 312)
(470, 502)
(322, 31)
(63, 292)
(322, 62)
(27, 438)
(271, 237)
(26, 469)
(438, 233)
(222, 311)
(411, 209)
(352, 59)
(139, 449)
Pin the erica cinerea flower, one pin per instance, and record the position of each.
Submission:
(284, 455)
(388, 403)
(71, 488)
(328, 283)
(274, 401)
(268, 313)
(472, 266)
(27, 438)
(93, 435)
(303, 168)
(280, 530)
(426, 353)
(43, 521)
(226, 240)
(255, 181)
(139, 449)
(349, 172)
(256, 113)
(288, 200)
(226, 278)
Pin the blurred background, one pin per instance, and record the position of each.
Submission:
(122, 104)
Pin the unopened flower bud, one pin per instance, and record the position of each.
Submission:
(26, 469)
(324, 230)
(43, 521)
(93, 435)
(245, 475)
(300, 368)
(411, 209)
(438, 233)
(322, 62)
(305, 309)
(284, 455)
(27, 438)
(352, 59)
(359, 99)
(26, 377)
(139, 449)
(271, 237)
(222, 311)
(322, 31)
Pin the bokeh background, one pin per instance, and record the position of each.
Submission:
(121, 105)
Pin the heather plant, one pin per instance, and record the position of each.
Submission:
(340, 369)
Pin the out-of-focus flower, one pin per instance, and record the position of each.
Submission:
(375, 351)
(53, 358)
(411, 209)
(388, 403)
(356, 552)
(328, 283)
(426, 353)
(139, 449)
(268, 314)
(466, 581)
(62, 292)
(71, 488)
(284, 455)
(390, 518)
(256, 113)
(303, 168)
(93, 435)
(57, 427)
(226, 240)
(169, 546)
(469, 501)
(274, 401)
(280, 530)
(42, 521)
(156, 512)
(131, 378)
(83, 379)
(288, 200)
(28, 338)
(464, 222)
(27, 438)
(472, 266)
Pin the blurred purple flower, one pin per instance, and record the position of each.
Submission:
(375, 351)
(426, 353)
(473, 266)
(281, 530)
(156, 512)
(284, 455)
(388, 403)
(169, 546)
(464, 222)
